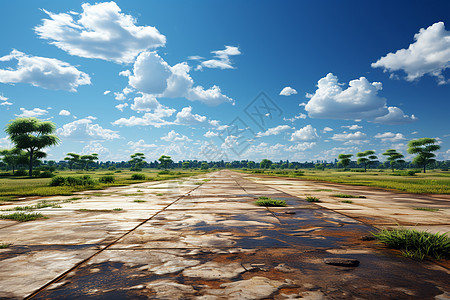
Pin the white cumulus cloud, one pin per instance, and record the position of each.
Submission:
(287, 91)
(47, 73)
(222, 60)
(210, 134)
(352, 127)
(390, 137)
(85, 129)
(64, 112)
(357, 137)
(101, 31)
(140, 145)
(359, 101)
(186, 117)
(173, 136)
(155, 118)
(307, 133)
(35, 112)
(429, 54)
(274, 131)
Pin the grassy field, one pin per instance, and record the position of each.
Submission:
(12, 188)
(432, 182)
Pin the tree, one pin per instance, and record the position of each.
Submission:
(137, 160)
(73, 159)
(394, 158)
(165, 161)
(423, 148)
(265, 164)
(204, 166)
(185, 165)
(366, 158)
(32, 135)
(88, 159)
(250, 164)
(14, 157)
(319, 166)
(344, 160)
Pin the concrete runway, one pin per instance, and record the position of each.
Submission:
(205, 239)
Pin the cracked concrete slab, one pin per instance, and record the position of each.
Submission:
(207, 241)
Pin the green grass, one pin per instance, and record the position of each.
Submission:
(118, 209)
(4, 245)
(139, 201)
(14, 187)
(160, 194)
(266, 201)
(312, 199)
(39, 205)
(22, 216)
(426, 208)
(323, 190)
(416, 244)
(347, 201)
(432, 182)
(347, 196)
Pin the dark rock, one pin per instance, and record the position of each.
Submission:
(343, 262)
(367, 238)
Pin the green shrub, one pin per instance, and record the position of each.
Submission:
(138, 176)
(84, 180)
(58, 181)
(112, 168)
(46, 174)
(266, 201)
(36, 173)
(416, 244)
(21, 173)
(164, 172)
(107, 179)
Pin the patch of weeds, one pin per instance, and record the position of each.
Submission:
(266, 201)
(118, 209)
(347, 201)
(198, 183)
(40, 204)
(160, 194)
(72, 199)
(323, 190)
(426, 208)
(416, 244)
(4, 245)
(347, 196)
(139, 201)
(206, 180)
(22, 217)
(139, 191)
(312, 199)
(138, 176)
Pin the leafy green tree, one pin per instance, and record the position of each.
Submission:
(32, 135)
(137, 160)
(344, 160)
(265, 164)
(366, 158)
(73, 160)
(423, 148)
(14, 157)
(250, 164)
(165, 161)
(204, 166)
(394, 158)
(88, 159)
(185, 165)
(319, 166)
(228, 165)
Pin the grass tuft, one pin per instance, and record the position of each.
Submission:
(312, 199)
(22, 217)
(426, 208)
(347, 196)
(416, 244)
(266, 201)
(4, 245)
(118, 209)
(139, 201)
(347, 201)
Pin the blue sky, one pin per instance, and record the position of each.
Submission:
(209, 80)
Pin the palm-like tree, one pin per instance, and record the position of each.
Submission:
(32, 135)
